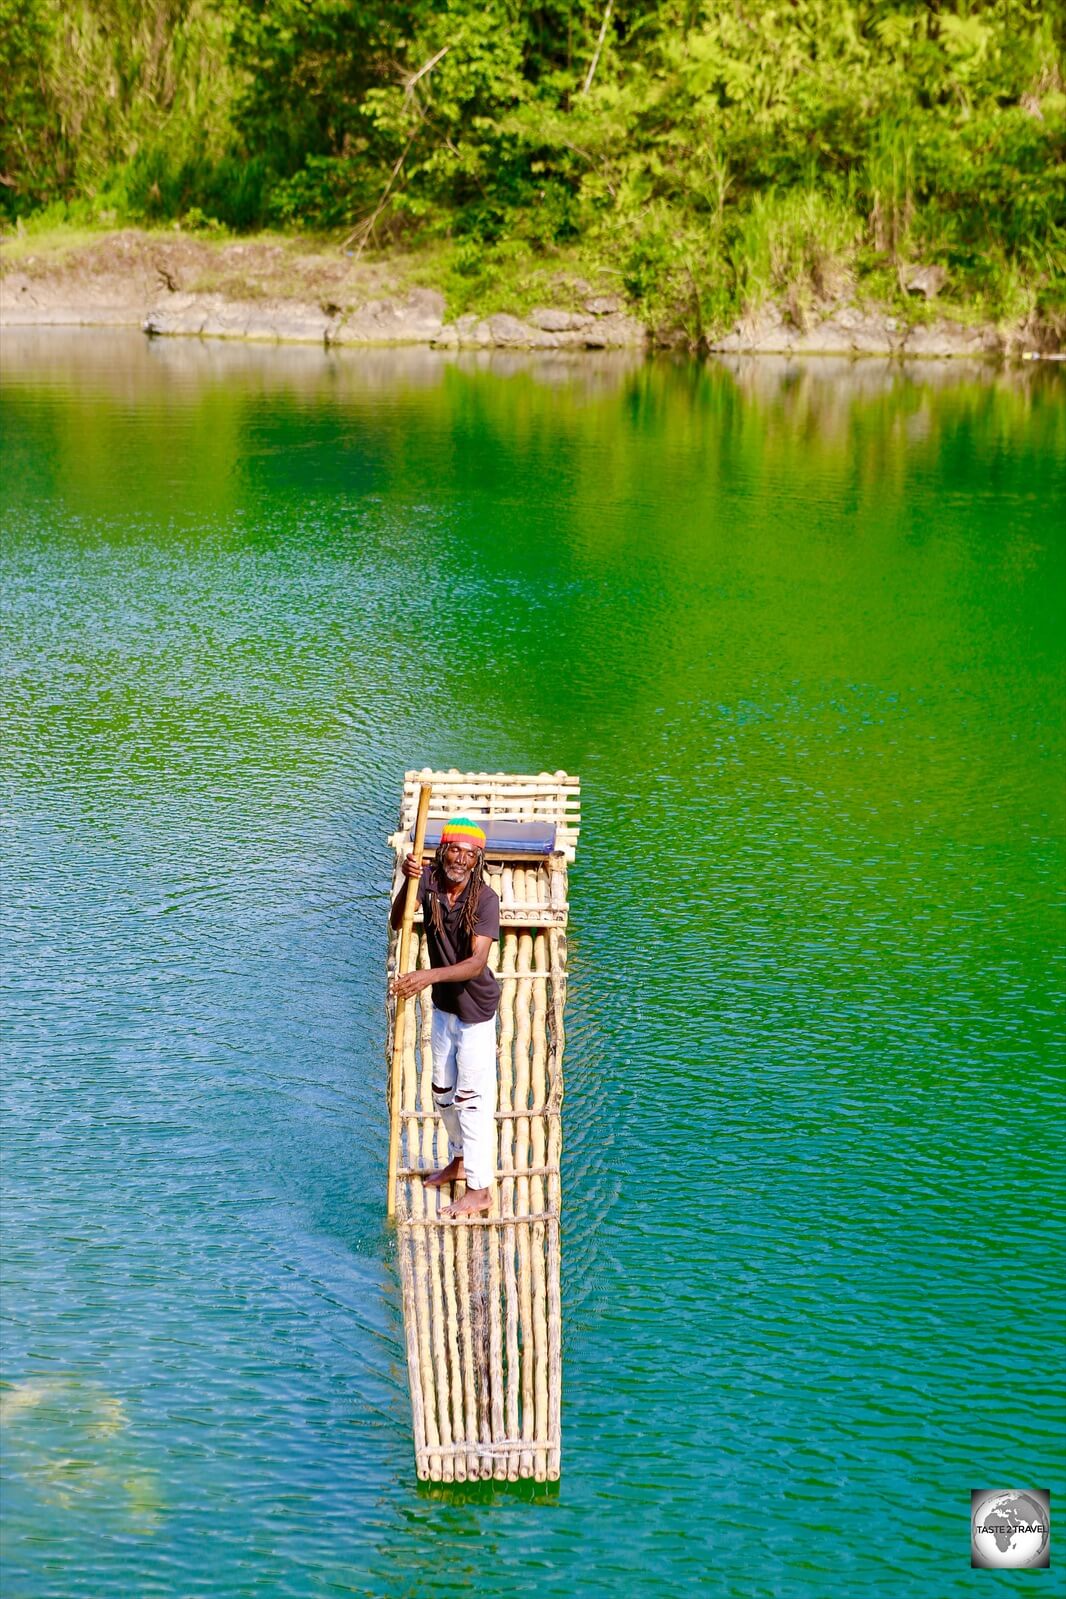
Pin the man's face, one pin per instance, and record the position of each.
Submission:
(459, 862)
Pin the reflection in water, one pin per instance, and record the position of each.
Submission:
(130, 367)
(60, 1439)
(798, 627)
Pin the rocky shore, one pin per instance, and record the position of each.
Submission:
(267, 292)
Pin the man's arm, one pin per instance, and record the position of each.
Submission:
(414, 982)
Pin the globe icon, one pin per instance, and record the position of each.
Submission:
(1010, 1530)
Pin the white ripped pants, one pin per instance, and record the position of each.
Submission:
(464, 1092)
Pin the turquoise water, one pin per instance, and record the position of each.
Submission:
(800, 631)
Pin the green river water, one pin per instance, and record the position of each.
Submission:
(800, 630)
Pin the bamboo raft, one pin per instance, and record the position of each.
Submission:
(481, 1295)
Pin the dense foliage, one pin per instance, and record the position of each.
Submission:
(709, 155)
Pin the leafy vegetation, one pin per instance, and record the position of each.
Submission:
(707, 157)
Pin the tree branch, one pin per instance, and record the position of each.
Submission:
(365, 228)
(409, 83)
(368, 224)
(594, 63)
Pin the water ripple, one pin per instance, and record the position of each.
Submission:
(805, 652)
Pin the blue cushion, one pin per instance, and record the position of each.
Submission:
(504, 837)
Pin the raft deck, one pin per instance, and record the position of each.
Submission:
(481, 1295)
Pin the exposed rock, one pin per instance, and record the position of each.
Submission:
(603, 305)
(577, 332)
(613, 332)
(757, 331)
(848, 331)
(27, 301)
(950, 338)
(509, 333)
(854, 330)
(551, 321)
(417, 319)
(872, 333)
(16, 289)
(211, 316)
(826, 338)
(927, 280)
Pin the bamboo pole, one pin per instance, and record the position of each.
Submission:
(478, 1337)
(422, 1333)
(557, 953)
(415, 1265)
(402, 1005)
(467, 1245)
(521, 1103)
(408, 1250)
(435, 1247)
(480, 1243)
(502, 1260)
(443, 1466)
(506, 1235)
(536, 1199)
(455, 1375)
(496, 1376)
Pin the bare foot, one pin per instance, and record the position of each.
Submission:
(450, 1174)
(473, 1203)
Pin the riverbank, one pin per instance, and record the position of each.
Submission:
(276, 290)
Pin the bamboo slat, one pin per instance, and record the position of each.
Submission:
(444, 1222)
(481, 1295)
(501, 1115)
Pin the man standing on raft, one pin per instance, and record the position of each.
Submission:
(462, 918)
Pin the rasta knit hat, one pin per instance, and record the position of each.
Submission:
(461, 830)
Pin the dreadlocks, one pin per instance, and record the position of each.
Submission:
(472, 896)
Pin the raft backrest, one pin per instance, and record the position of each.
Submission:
(505, 838)
(541, 798)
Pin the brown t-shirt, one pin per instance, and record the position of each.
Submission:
(478, 999)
